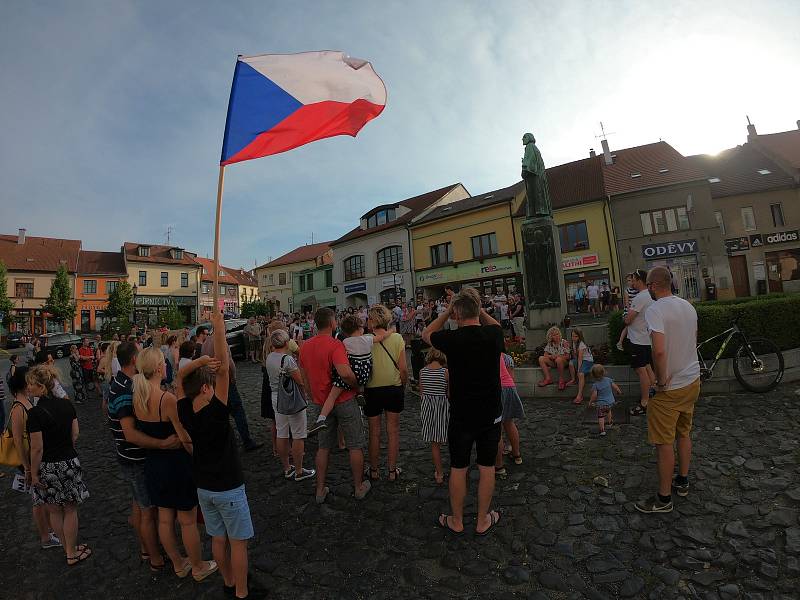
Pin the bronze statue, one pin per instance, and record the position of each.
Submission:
(535, 178)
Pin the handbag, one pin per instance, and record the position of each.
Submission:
(9, 453)
(290, 398)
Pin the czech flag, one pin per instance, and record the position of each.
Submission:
(282, 101)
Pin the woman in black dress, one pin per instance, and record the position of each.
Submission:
(76, 374)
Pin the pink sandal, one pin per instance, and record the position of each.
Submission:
(545, 383)
(562, 385)
(577, 400)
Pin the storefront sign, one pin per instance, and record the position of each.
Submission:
(467, 271)
(651, 251)
(738, 244)
(756, 241)
(164, 300)
(781, 237)
(355, 287)
(391, 281)
(579, 262)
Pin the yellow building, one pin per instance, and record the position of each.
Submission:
(274, 279)
(161, 276)
(469, 242)
(248, 285)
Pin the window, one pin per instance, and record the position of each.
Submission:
(354, 268)
(329, 278)
(664, 220)
(390, 259)
(222, 290)
(310, 281)
(301, 283)
(177, 254)
(720, 221)
(281, 278)
(484, 245)
(271, 278)
(164, 279)
(205, 288)
(24, 289)
(573, 236)
(748, 218)
(90, 286)
(142, 278)
(441, 254)
(777, 215)
(184, 280)
(144, 250)
(111, 286)
(381, 218)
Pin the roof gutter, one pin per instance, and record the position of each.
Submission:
(611, 255)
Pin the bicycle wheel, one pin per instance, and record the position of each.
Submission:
(760, 371)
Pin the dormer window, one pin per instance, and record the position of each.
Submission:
(144, 250)
(221, 273)
(177, 254)
(386, 215)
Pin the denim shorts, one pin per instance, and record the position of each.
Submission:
(586, 366)
(133, 473)
(226, 513)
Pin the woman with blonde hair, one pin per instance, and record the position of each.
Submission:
(556, 354)
(385, 392)
(168, 473)
(55, 471)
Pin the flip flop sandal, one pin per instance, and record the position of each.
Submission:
(374, 474)
(493, 521)
(185, 570)
(366, 486)
(443, 522)
(212, 568)
(518, 460)
(545, 383)
(82, 556)
(562, 385)
(577, 400)
(638, 410)
(394, 474)
(321, 499)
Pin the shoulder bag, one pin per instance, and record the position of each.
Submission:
(290, 398)
(9, 453)
(391, 358)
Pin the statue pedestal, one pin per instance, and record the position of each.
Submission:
(544, 277)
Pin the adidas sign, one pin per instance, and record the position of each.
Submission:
(782, 237)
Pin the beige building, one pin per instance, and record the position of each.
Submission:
(161, 276)
(248, 285)
(275, 277)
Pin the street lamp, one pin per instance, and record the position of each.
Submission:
(133, 316)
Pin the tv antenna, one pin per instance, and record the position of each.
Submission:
(603, 133)
(168, 233)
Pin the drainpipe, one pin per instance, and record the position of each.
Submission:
(607, 202)
(513, 232)
(413, 292)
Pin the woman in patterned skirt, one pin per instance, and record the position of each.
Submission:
(434, 407)
(56, 474)
(76, 374)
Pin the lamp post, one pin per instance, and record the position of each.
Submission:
(133, 316)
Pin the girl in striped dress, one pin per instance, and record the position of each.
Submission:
(434, 408)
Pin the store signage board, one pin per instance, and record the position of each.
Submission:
(756, 241)
(467, 271)
(653, 251)
(781, 237)
(738, 244)
(355, 287)
(580, 262)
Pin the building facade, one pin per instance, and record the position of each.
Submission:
(162, 276)
(99, 273)
(32, 263)
(275, 277)
(469, 242)
(248, 285)
(228, 290)
(373, 262)
(313, 289)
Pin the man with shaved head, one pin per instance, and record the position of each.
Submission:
(672, 323)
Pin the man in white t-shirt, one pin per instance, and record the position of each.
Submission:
(592, 294)
(639, 337)
(672, 323)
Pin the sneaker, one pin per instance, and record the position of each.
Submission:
(602, 434)
(304, 474)
(682, 489)
(290, 473)
(653, 505)
(620, 347)
(52, 542)
(317, 427)
(361, 399)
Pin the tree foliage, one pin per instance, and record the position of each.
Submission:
(6, 306)
(120, 307)
(59, 303)
(256, 308)
(173, 317)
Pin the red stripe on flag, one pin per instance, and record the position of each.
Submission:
(310, 123)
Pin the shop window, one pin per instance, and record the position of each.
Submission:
(111, 286)
(441, 254)
(390, 259)
(484, 245)
(281, 278)
(90, 286)
(354, 268)
(720, 221)
(748, 218)
(329, 278)
(85, 320)
(665, 220)
(388, 296)
(164, 279)
(573, 236)
(142, 278)
(99, 320)
(24, 289)
(777, 215)
(185, 280)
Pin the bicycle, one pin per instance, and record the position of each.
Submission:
(757, 365)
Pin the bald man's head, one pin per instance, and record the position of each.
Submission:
(659, 281)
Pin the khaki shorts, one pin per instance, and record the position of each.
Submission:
(346, 416)
(669, 414)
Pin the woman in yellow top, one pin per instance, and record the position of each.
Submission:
(385, 392)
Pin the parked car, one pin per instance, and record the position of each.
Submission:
(58, 344)
(14, 340)
(234, 333)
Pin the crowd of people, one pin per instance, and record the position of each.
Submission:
(169, 397)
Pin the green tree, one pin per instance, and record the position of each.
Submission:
(120, 307)
(6, 306)
(59, 303)
(256, 308)
(172, 317)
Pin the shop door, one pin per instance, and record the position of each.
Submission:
(687, 281)
(774, 272)
(741, 280)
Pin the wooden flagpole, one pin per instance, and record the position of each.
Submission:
(216, 236)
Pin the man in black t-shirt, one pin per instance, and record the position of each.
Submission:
(473, 359)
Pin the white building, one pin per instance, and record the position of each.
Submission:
(373, 262)
(275, 277)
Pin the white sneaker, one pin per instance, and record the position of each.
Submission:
(305, 474)
(52, 542)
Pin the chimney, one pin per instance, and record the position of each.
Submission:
(606, 153)
(798, 123)
(751, 131)
(21, 237)
(592, 153)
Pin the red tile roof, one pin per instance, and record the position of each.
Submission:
(416, 205)
(101, 263)
(648, 161)
(474, 202)
(738, 172)
(573, 183)
(158, 254)
(208, 272)
(39, 253)
(301, 254)
(784, 146)
(242, 277)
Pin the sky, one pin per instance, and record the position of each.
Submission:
(113, 112)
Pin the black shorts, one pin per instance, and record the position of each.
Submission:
(461, 438)
(389, 398)
(641, 355)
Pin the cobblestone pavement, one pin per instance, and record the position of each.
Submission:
(561, 535)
